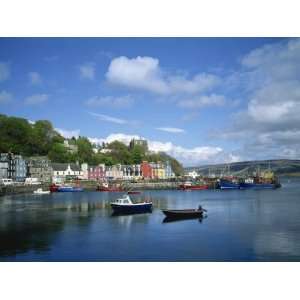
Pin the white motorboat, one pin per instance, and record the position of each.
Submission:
(126, 206)
(41, 192)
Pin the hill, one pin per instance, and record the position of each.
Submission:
(279, 166)
(20, 136)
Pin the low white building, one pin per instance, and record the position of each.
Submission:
(193, 174)
(105, 150)
(66, 171)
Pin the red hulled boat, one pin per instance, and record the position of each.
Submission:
(189, 186)
(54, 187)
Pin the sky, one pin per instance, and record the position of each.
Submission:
(202, 100)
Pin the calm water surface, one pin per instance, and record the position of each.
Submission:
(240, 226)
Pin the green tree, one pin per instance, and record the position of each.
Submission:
(137, 154)
(44, 134)
(120, 152)
(85, 150)
(58, 153)
(15, 135)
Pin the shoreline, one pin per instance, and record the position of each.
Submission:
(92, 186)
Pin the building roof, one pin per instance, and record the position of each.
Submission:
(63, 167)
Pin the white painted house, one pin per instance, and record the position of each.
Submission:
(193, 174)
(63, 171)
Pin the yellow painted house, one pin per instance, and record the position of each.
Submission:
(158, 170)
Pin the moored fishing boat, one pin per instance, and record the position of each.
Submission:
(262, 180)
(53, 187)
(192, 186)
(257, 186)
(124, 205)
(69, 189)
(226, 184)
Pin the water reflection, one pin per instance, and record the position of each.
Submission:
(242, 226)
(170, 219)
(22, 233)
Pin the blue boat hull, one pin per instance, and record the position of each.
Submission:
(257, 186)
(131, 209)
(227, 185)
(67, 189)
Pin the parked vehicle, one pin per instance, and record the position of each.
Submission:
(32, 181)
(6, 181)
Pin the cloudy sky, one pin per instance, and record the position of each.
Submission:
(202, 100)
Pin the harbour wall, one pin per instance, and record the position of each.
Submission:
(92, 186)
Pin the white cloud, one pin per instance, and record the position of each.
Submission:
(115, 102)
(5, 97)
(36, 99)
(4, 71)
(87, 71)
(68, 133)
(35, 78)
(107, 118)
(171, 129)
(203, 101)
(270, 124)
(145, 73)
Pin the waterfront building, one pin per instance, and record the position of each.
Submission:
(158, 170)
(63, 171)
(4, 165)
(168, 170)
(40, 167)
(127, 172)
(13, 167)
(137, 172)
(20, 166)
(161, 172)
(114, 172)
(84, 171)
(146, 169)
(96, 172)
(154, 170)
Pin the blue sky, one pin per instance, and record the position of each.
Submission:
(203, 100)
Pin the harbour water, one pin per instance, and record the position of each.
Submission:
(248, 225)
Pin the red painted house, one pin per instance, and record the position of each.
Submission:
(146, 169)
(96, 172)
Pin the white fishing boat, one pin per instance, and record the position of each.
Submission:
(40, 191)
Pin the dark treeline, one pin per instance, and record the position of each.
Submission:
(19, 136)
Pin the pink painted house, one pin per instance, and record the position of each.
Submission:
(96, 172)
